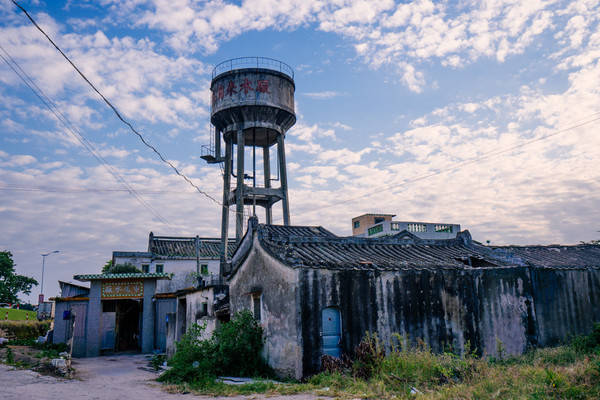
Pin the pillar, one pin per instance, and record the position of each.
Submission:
(225, 210)
(283, 177)
(147, 336)
(239, 209)
(267, 165)
(94, 313)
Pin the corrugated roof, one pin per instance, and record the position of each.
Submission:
(137, 275)
(185, 247)
(316, 247)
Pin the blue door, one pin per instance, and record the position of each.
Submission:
(332, 331)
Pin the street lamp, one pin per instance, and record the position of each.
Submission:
(41, 297)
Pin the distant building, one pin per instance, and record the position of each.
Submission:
(376, 225)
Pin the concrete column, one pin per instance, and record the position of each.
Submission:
(283, 176)
(267, 165)
(147, 334)
(225, 210)
(239, 209)
(94, 313)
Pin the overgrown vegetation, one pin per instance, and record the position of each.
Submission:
(570, 371)
(233, 349)
(127, 268)
(24, 329)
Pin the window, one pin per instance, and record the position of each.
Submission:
(256, 306)
(416, 227)
(356, 224)
(375, 229)
(204, 269)
(379, 220)
(395, 226)
(160, 268)
(443, 228)
(145, 268)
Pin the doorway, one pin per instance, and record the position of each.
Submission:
(331, 331)
(127, 325)
(121, 325)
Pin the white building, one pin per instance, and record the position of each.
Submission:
(376, 225)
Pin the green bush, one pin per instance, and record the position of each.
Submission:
(25, 329)
(233, 349)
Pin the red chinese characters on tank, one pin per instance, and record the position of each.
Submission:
(261, 86)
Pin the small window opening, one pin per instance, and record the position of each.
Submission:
(160, 268)
(145, 268)
(356, 224)
(204, 269)
(256, 306)
(379, 220)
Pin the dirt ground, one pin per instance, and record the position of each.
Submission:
(103, 378)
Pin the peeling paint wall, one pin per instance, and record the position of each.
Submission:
(508, 308)
(279, 307)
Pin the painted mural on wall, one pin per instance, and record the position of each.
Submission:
(122, 289)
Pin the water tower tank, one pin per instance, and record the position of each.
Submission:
(255, 94)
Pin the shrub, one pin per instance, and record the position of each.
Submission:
(25, 329)
(368, 356)
(238, 347)
(233, 349)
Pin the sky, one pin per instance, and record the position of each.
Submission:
(480, 113)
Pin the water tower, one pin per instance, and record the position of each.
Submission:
(252, 107)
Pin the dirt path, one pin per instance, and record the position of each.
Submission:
(102, 378)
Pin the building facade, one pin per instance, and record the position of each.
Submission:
(377, 225)
(130, 312)
(316, 293)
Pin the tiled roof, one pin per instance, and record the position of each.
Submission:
(558, 256)
(137, 275)
(185, 247)
(295, 231)
(405, 251)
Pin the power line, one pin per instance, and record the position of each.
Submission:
(58, 189)
(115, 110)
(30, 83)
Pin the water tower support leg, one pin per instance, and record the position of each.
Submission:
(283, 176)
(239, 216)
(225, 211)
(267, 164)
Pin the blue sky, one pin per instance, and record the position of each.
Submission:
(386, 93)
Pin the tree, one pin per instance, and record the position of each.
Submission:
(127, 268)
(12, 284)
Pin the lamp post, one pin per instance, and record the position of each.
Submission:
(41, 297)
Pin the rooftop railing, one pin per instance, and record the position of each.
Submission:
(253, 62)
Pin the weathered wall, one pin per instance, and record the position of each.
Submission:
(566, 302)
(279, 311)
(519, 307)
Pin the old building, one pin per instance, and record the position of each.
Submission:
(377, 225)
(316, 293)
(129, 312)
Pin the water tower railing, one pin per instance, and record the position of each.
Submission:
(253, 62)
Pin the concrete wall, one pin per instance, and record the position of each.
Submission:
(279, 307)
(184, 273)
(519, 307)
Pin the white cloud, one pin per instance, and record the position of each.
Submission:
(327, 94)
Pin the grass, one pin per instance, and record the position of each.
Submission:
(17, 315)
(553, 373)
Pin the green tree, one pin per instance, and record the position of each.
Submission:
(110, 268)
(107, 267)
(12, 284)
